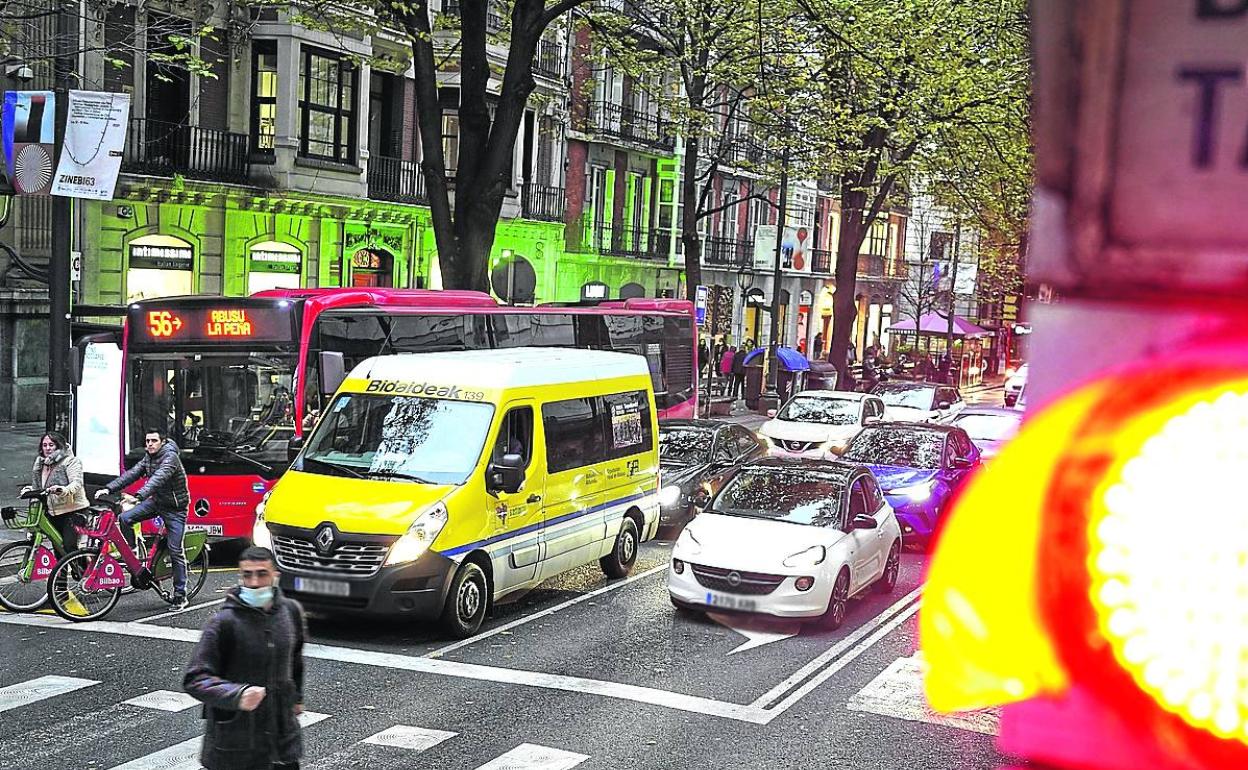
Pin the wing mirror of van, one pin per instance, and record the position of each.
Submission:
(332, 372)
(506, 474)
(943, 404)
(293, 445)
(771, 413)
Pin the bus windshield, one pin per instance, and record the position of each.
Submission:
(398, 438)
(232, 412)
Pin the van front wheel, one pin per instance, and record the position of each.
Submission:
(466, 602)
(623, 556)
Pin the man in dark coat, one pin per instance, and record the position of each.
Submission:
(248, 671)
(164, 494)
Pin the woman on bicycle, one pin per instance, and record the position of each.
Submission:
(59, 473)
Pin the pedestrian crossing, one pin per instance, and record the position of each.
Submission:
(104, 725)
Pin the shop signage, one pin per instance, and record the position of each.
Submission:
(162, 257)
(263, 261)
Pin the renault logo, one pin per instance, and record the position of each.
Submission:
(325, 539)
(202, 507)
(734, 579)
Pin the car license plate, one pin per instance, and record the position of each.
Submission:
(730, 602)
(212, 529)
(327, 587)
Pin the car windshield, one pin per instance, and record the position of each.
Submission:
(400, 438)
(902, 447)
(826, 411)
(684, 446)
(988, 427)
(798, 496)
(914, 398)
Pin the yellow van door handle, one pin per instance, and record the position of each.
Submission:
(535, 498)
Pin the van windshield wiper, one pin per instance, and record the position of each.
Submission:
(389, 474)
(336, 466)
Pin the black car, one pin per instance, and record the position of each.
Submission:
(696, 454)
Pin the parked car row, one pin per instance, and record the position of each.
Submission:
(815, 509)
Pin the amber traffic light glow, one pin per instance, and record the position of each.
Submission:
(1108, 546)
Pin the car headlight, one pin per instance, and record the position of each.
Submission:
(413, 544)
(811, 557)
(687, 542)
(916, 492)
(259, 530)
(669, 495)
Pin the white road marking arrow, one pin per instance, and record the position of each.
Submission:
(757, 631)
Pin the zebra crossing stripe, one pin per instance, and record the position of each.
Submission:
(409, 738)
(35, 690)
(530, 756)
(185, 755)
(164, 700)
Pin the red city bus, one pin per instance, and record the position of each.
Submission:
(234, 378)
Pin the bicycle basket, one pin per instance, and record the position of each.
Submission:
(22, 518)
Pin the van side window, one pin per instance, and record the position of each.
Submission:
(515, 435)
(628, 424)
(573, 434)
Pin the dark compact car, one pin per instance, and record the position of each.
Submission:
(919, 466)
(696, 454)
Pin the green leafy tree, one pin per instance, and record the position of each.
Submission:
(900, 86)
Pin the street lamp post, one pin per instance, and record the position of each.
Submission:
(771, 399)
(59, 399)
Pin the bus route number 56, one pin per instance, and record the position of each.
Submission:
(162, 323)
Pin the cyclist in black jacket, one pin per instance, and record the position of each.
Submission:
(164, 494)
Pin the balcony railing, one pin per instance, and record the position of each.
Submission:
(542, 203)
(493, 15)
(728, 252)
(165, 149)
(631, 242)
(548, 60)
(631, 124)
(744, 151)
(395, 179)
(822, 261)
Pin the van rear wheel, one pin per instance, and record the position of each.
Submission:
(466, 602)
(623, 556)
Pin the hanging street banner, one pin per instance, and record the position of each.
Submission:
(795, 249)
(28, 122)
(95, 135)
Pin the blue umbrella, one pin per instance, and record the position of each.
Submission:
(789, 358)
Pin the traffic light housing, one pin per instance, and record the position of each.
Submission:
(1096, 573)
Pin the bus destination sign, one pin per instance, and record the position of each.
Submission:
(205, 324)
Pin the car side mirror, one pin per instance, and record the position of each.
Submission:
(771, 413)
(870, 420)
(506, 475)
(293, 446)
(962, 462)
(943, 405)
(701, 499)
(864, 521)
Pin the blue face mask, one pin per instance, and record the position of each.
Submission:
(255, 597)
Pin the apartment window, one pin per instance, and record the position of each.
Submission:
(877, 243)
(263, 96)
(450, 143)
(327, 111)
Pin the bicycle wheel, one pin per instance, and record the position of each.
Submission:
(196, 573)
(17, 593)
(70, 598)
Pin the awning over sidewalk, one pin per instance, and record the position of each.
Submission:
(937, 323)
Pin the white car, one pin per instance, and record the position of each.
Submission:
(1014, 385)
(819, 424)
(788, 539)
(919, 401)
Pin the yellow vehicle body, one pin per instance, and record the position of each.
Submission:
(347, 517)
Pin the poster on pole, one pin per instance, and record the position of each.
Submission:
(95, 135)
(29, 127)
(699, 305)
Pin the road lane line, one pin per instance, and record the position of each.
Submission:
(530, 756)
(163, 700)
(35, 690)
(409, 738)
(420, 664)
(841, 663)
(838, 649)
(171, 613)
(548, 611)
(185, 755)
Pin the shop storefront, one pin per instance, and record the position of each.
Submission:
(273, 265)
(372, 268)
(159, 266)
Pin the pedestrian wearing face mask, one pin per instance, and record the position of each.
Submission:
(248, 671)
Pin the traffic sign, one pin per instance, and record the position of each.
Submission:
(699, 304)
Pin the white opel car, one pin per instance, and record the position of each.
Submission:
(788, 539)
(819, 424)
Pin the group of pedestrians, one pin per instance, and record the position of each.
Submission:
(247, 668)
(728, 364)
